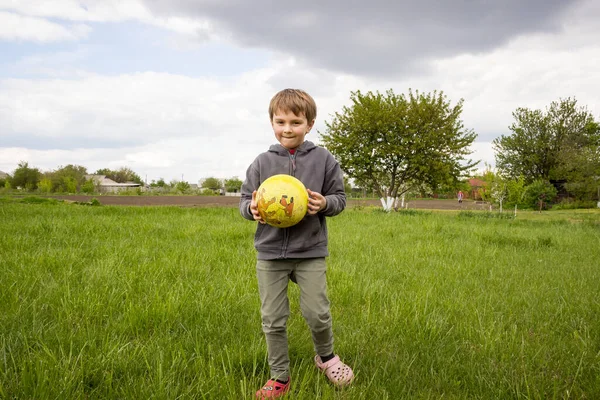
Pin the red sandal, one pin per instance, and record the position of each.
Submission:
(273, 389)
(336, 371)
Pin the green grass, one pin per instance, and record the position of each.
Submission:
(138, 302)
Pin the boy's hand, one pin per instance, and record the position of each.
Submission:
(316, 202)
(254, 209)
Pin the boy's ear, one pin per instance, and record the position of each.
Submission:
(310, 125)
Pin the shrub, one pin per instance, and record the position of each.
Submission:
(539, 195)
(570, 204)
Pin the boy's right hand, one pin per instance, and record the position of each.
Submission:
(254, 209)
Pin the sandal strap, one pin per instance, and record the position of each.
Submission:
(328, 364)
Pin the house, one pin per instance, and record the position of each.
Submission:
(3, 175)
(477, 187)
(106, 185)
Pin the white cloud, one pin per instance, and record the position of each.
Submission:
(166, 125)
(15, 27)
(35, 14)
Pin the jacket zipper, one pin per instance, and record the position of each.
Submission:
(286, 237)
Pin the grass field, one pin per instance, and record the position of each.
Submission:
(140, 302)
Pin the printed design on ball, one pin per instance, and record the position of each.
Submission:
(289, 207)
(282, 201)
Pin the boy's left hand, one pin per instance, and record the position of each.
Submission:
(316, 202)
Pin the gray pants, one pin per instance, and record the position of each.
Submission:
(273, 277)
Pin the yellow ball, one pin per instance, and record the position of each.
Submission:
(282, 201)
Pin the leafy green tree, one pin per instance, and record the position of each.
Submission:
(212, 183)
(122, 175)
(159, 183)
(516, 191)
(558, 144)
(45, 185)
(393, 142)
(233, 184)
(68, 179)
(540, 194)
(182, 186)
(25, 177)
(581, 169)
(89, 186)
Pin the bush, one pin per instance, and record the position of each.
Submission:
(39, 200)
(570, 204)
(539, 195)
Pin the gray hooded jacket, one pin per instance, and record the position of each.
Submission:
(316, 168)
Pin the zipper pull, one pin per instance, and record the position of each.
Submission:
(293, 159)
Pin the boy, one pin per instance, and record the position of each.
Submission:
(296, 253)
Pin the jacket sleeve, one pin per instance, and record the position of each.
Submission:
(333, 189)
(251, 183)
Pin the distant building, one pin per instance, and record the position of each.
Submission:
(3, 175)
(477, 187)
(106, 185)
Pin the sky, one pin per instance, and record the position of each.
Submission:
(179, 89)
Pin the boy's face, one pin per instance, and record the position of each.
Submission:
(290, 128)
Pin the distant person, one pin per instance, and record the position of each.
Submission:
(296, 253)
(460, 196)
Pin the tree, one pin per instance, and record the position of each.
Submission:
(540, 194)
(68, 179)
(182, 186)
(160, 183)
(233, 185)
(393, 142)
(212, 183)
(555, 145)
(25, 177)
(122, 175)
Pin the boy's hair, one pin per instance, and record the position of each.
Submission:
(296, 101)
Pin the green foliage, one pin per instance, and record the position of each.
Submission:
(160, 183)
(212, 183)
(67, 179)
(25, 177)
(182, 187)
(561, 144)
(93, 203)
(392, 142)
(45, 185)
(568, 204)
(88, 186)
(122, 175)
(39, 200)
(539, 195)
(233, 185)
(347, 187)
(516, 190)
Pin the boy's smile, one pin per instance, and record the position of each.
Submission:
(290, 129)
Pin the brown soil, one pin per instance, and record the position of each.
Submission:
(227, 201)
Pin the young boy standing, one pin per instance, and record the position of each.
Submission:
(296, 253)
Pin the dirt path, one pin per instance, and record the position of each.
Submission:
(227, 201)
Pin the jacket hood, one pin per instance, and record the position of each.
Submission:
(282, 151)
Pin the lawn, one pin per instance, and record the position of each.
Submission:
(162, 302)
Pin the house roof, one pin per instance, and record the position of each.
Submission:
(3, 174)
(476, 182)
(102, 180)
